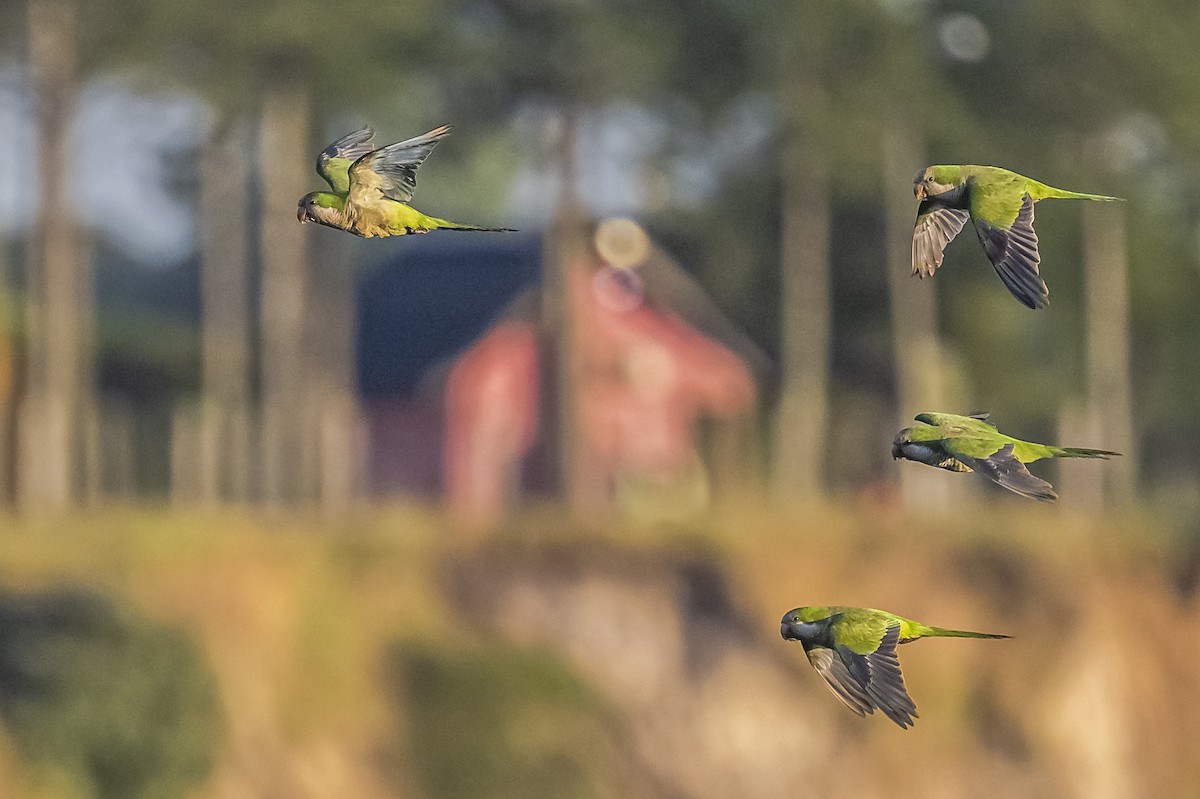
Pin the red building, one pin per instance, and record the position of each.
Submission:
(641, 379)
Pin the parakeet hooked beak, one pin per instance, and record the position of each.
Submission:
(919, 190)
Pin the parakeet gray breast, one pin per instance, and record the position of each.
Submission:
(924, 453)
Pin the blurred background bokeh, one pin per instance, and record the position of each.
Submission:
(287, 513)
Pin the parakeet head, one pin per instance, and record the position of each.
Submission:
(304, 209)
(935, 180)
(915, 447)
(793, 626)
(320, 206)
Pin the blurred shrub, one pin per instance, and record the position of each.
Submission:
(503, 722)
(96, 698)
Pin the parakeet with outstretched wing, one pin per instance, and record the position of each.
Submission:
(854, 650)
(372, 187)
(972, 444)
(1000, 204)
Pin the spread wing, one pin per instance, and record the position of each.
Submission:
(1013, 249)
(838, 678)
(391, 171)
(877, 674)
(886, 686)
(936, 227)
(334, 162)
(1000, 466)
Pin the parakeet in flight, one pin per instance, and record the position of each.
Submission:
(1000, 204)
(854, 649)
(372, 187)
(972, 444)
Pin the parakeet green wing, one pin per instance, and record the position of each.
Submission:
(878, 673)
(391, 171)
(936, 227)
(334, 162)
(954, 423)
(1000, 466)
(845, 687)
(1005, 228)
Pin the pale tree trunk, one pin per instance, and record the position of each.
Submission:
(8, 382)
(47, 448)
(88, 456)
(223, 449)
(335, 411)
(920, 364)
(1080, 483)
(565, 251)
(805, 318)
(286, 431)
(1106, 303)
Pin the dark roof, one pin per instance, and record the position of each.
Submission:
(432, 298)
(437, 293)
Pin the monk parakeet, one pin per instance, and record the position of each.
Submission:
(1000, 203)
(973, 444)
(854, 649)
(372, 188)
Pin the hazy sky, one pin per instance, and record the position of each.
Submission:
(122, 144)
(127, 148)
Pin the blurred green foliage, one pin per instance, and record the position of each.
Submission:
(98, 699)
(503, 722)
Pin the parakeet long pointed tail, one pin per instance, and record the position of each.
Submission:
(1075, 195)
(1082, 452)
(453, 226)
(941, 632)
(446, 224)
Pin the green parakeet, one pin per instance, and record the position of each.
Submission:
(372, 187)
(972, 444)
(1000, 204)
(854, 649)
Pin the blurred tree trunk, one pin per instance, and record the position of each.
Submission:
(283, 153)
(48, 442)
(88, 455)
(336, 415)
(223, 448)
(8, 382)
(1106, 302)
(565, 251)
(806, 303)
(916, 350)
(806, 318)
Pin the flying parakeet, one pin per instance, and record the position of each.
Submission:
(854, 649)
(972, 444)
(1000, 203)
(372, 188)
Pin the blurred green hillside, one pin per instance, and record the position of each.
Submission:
(391, 654)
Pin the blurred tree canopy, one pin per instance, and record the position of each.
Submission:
(1090, 94)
